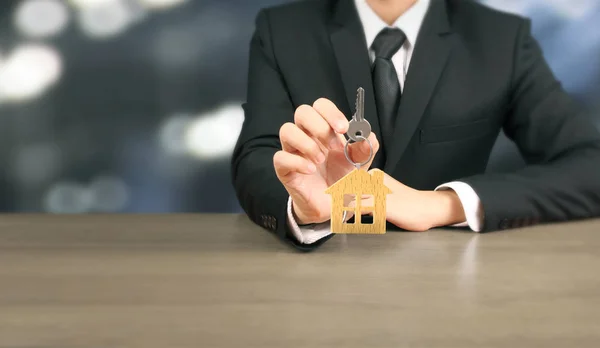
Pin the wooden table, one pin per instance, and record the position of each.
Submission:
(167, 281)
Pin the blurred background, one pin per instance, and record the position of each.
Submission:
(135, 105)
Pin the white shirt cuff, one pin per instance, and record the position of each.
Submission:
(470, 202)
(306, 234)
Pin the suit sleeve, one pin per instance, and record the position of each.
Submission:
(559, 143)
(268, 107)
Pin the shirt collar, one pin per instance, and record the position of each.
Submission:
(410, 21)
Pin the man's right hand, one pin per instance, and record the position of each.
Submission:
(312, 158)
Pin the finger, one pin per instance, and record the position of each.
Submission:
(334, 117)
(315, 126)
(286, 163)
(360, 151)
(294, 139)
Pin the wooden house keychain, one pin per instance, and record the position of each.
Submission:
(367, 189)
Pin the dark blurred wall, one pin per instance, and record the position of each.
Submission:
(134, 105)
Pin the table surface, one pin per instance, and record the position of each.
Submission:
(219, 281)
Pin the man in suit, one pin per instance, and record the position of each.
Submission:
(442, 79)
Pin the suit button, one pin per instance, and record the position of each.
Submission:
(504, 224)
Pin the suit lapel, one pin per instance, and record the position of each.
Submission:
(427, 64)
(352, 56)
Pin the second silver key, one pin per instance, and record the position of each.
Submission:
(359, 129)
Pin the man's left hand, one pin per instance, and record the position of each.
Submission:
(416, 210)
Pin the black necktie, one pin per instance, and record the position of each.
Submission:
(385, 80)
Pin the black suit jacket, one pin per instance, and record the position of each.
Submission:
(474, 72)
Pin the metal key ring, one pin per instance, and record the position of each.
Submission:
(358, 165)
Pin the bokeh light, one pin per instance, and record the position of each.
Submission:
(171, 134)
(109, 194)
(104, 194)
(28, 71)
(88, 3)
(572, 9)
(161, 4)
(101, 19)
(41, 18)
(215, 133)
(106, 18)
(67, 198)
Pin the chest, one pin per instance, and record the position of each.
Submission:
(471, 87)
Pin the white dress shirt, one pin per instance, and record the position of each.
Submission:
(410, 23)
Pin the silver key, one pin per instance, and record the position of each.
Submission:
(359, 128)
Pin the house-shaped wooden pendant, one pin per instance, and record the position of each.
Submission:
(359, 193)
